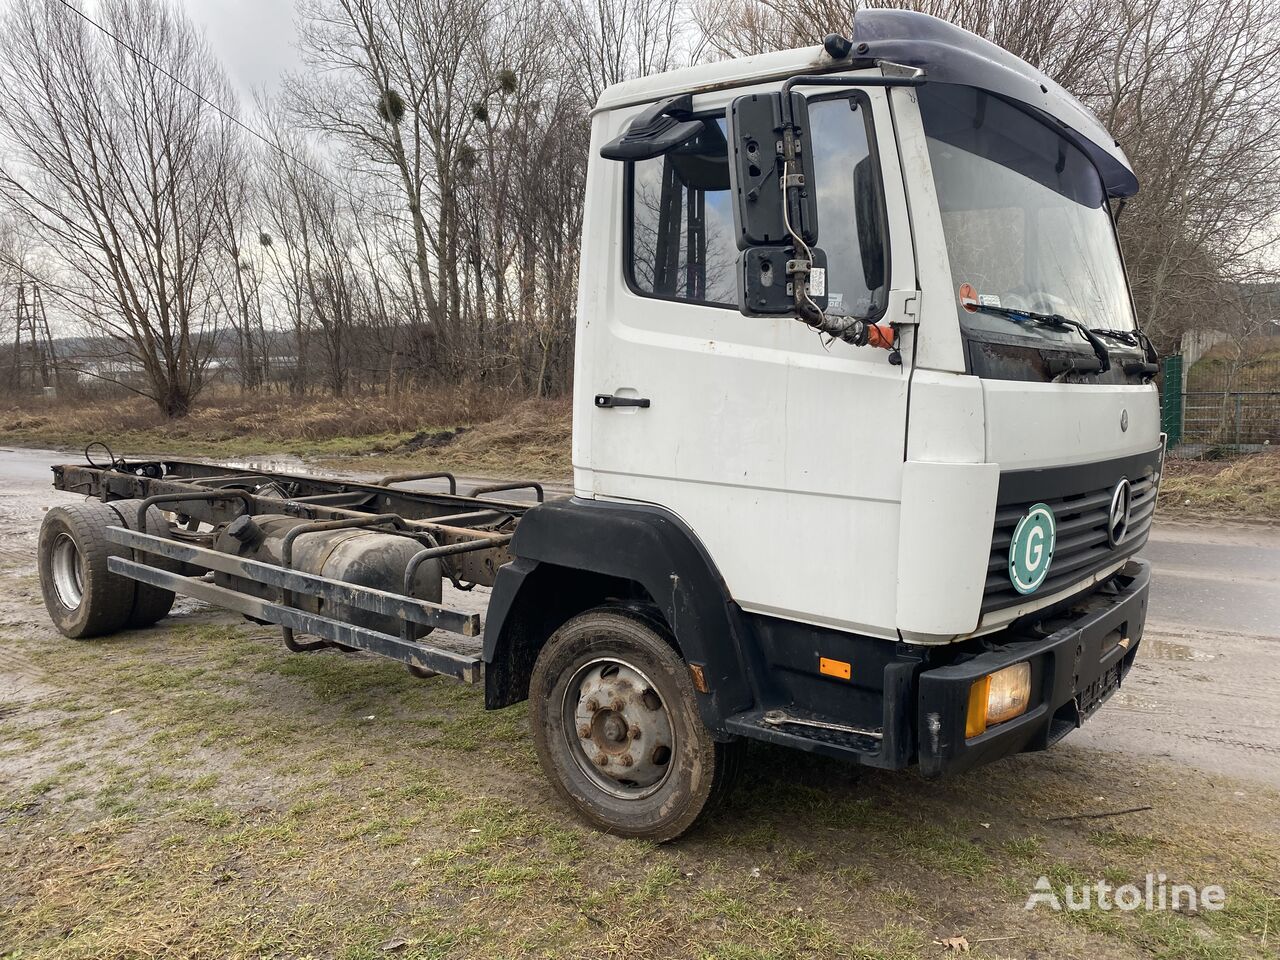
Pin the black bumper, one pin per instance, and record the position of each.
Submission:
(1073, 671)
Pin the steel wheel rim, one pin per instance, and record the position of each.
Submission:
(601, 741)
(66, 569)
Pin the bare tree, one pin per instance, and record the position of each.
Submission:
(1247, 315)
(239, 283)
(615, 40)
(464, 126)
(1190, 88)
(115, 156)
(401, 84)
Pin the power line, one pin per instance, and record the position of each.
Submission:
(201, 97)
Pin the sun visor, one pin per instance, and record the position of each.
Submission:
(949, 54)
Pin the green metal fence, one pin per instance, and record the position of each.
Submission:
(1221, 406)
(1171, 399)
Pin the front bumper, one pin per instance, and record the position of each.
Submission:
(1073, 671)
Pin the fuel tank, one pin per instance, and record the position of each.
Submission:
(369, 558)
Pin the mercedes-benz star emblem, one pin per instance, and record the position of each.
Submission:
(1124, 420)
(1118, 516)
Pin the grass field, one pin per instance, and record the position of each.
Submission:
(197, 791)
(1247, 488)
(468, 429)
(1259, 370)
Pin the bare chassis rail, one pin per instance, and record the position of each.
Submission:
(469, 534)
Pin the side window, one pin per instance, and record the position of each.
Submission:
(681, 237)
(680, 241)
(850, 206)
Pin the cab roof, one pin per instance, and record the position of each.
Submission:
(946, 53)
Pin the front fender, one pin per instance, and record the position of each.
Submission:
(573, 554)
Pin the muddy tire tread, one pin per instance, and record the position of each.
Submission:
(705, 768)
(150, 603)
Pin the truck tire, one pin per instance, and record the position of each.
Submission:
(150, 603)
(83, 597)
(617, 728)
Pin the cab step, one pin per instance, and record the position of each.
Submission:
(790, 727)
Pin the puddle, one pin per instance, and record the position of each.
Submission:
(1153, 649)
(276, 463)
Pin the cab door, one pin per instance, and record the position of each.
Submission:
(781, 451)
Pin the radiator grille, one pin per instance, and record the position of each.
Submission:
(1081, 515)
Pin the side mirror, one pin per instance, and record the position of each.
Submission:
(767, 278)
(774, 203)
(763, 144)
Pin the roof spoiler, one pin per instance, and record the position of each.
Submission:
(951, 54)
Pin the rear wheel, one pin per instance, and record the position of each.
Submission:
(150, 603)
(83, 597)
(617, 729)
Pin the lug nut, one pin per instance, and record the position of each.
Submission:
(584, 733)
(593, 705)
(634, 732)
(602, 760)
(617, 705)
(626, 760)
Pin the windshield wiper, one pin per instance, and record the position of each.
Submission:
(1058, 322)
(1147, 367)
(1127, 337)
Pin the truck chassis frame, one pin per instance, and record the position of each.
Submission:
(468, 534)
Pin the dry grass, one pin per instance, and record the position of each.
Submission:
(531, 439)
(1258, 372)
(1243, 489)
(475, 431)
(460, 427)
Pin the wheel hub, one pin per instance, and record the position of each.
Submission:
(64, 565)
(624, 737)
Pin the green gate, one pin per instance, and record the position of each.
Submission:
(1171, 399)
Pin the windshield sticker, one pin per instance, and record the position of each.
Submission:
(988, 300)
(969, 297)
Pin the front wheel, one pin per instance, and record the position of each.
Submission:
(617, 730)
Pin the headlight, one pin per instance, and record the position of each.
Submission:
(998, 697)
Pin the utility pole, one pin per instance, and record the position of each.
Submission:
(33, 327)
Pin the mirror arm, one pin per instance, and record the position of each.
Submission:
(916, 79)
(849, 329)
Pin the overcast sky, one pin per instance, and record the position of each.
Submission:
(253, 38)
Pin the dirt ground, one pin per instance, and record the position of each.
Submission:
(195, 790)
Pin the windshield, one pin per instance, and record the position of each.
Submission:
(1024, 215)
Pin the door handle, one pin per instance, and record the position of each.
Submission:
(604, 400)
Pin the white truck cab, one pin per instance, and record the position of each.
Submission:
(831, 486)
(955, 501)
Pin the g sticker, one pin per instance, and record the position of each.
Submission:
(1031, 551)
